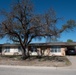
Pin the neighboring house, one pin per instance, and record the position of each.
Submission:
(46, 49)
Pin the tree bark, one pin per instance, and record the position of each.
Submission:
(24, 55)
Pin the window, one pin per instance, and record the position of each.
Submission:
(33, 49)
(19, 49)
(56, 49)
(7, 49)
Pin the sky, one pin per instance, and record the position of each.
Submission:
(63, 8)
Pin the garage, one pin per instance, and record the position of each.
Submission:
(71, 50)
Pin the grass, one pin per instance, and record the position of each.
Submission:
(17, 57)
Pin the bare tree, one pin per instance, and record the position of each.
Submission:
(22, 25)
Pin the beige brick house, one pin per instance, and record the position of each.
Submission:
(45, 49)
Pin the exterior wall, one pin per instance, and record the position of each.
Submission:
(63, 51)
(13, 51)
(38, 51)
(46, 51)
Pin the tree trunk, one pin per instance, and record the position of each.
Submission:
(23, 54)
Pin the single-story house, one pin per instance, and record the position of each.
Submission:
(46, 49)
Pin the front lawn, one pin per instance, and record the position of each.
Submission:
(52, 61)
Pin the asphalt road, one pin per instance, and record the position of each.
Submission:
(36, 71)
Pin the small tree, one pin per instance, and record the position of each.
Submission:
(22, 25)
(69, 40)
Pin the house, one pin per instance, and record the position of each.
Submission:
(46, 49)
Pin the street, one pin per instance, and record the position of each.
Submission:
(36, 71)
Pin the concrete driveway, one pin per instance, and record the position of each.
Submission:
(72, 59)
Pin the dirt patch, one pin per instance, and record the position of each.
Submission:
(53, 61)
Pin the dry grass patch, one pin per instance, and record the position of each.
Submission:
(52, 61)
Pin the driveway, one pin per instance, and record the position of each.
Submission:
(72, 59)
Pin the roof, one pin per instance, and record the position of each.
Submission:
(10, 45)
(45, 44)
(55, 44)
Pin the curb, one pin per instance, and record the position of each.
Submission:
(35, 67)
